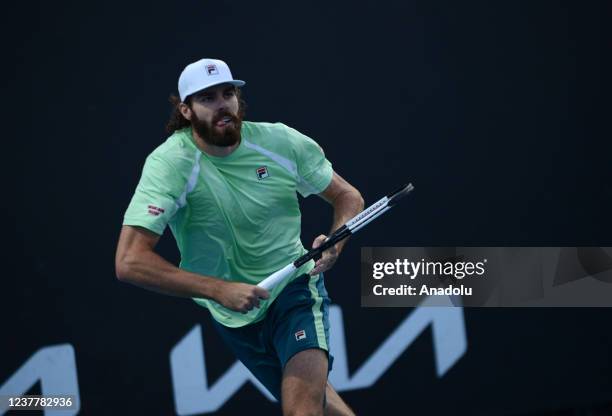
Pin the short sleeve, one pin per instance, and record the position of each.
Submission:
(156, 198)
(314, 170)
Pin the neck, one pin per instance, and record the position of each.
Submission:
(211, 149)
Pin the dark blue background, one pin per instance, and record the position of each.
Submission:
(498, 112)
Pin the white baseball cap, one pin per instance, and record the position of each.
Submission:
(203, 74)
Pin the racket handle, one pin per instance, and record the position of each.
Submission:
(339, 235)
(275, 278)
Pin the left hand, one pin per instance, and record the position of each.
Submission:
(328, 257)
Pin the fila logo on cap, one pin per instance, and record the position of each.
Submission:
(262, 172)
(301, 334)
(211, 69)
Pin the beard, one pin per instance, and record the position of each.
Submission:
(224, 137)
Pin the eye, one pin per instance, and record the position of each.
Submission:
(229, 93)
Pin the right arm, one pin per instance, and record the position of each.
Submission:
(136, 262)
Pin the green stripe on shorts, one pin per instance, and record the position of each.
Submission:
(316, 311)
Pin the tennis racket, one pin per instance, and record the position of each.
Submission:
(350, 227)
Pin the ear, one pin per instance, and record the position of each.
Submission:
(185, 111)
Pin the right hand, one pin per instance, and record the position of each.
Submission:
(240, 297)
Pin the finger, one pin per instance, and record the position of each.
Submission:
(315, 271)
(262, 293)
(325, 266)
(318, 241)
(332, 251)
(329, 258)
(328, 255)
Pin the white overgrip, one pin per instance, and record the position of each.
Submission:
(275, 278)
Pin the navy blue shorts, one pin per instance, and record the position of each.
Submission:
(297, 320)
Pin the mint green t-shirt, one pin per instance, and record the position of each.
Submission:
(235, 217)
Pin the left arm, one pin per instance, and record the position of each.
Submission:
(347, 203)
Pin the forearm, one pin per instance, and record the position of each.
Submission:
(149, 270)
(346, 205)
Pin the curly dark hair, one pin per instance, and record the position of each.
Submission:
(177, 121)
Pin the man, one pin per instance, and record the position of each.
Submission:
(227, 189)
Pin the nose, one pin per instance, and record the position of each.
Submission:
(221, 104)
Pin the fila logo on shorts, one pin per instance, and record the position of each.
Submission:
(262, 172)
(301, 334)
(153, 210)
(211, 69)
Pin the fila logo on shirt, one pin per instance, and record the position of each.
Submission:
(301, 334)
(262, 172)
(212, 69)
(153, 210)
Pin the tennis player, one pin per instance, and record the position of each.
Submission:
(227, 189)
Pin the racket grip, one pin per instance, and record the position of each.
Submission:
(275, 278)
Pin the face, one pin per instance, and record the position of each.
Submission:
(215, 115)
